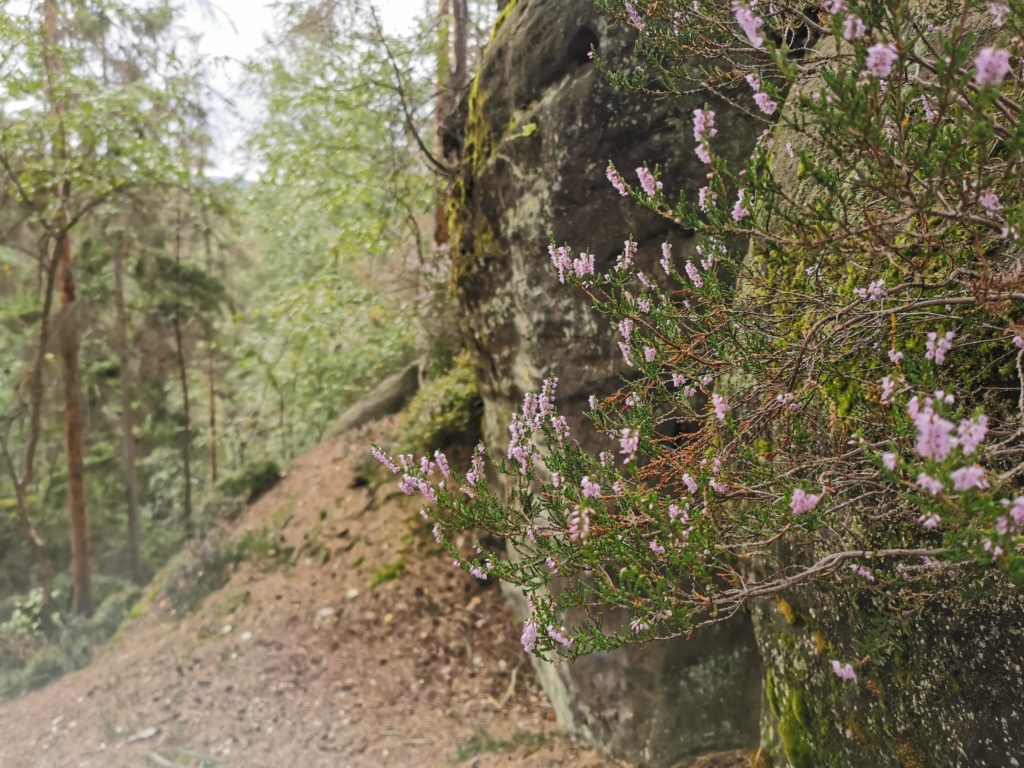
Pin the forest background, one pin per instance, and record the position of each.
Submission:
(169, 339)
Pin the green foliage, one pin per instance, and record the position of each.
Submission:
(206, 565)
(481, 743)
(252, 482)
(446, 410)
(113, 612)
(390, 571)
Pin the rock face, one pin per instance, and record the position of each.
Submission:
(938, 678)
(941, 686)
(539, 127)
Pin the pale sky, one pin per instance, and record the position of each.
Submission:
(236, 29)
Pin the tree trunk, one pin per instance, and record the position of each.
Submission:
(69, 337)
(460, 47)
(186, 433)
(211, 381)
(127, 418)
(442, 109)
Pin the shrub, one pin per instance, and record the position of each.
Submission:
(113, 612)
(446, 410)
(252, 482)
(850, 387)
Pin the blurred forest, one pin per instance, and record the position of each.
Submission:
(169, 339)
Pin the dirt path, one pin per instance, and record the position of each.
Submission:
(308, 664)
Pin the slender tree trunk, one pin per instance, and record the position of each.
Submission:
(127, 418)
(442, 109)
(211, 380)
(186, 432)
(460, 46)
(69, 334)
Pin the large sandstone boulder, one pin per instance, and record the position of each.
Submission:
(538, 129)
(940, 669)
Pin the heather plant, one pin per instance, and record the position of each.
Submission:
(850, 386)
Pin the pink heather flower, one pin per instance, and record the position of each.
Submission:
(881, 57)
(384, 459)
(427, 490)
(765, 102)
(558, 635)
(656, 548)
(478, 573)
(968, 478)
(678, 380)
(844, 672)
(561, 427)
(437, 533)
(750, 22)
(789, 150)
(854, 29)
(999, 13)
(584, 265)
(690, 483)
(562, 259)
(989, 200)
(639, 625)
(719, 487)
(937, 346)
(888, 389)
(675, 513)
(1016, 509)
(703, 124)
(649, 354)
(971, 433)
(803, 502)
(874, 292)
(863, 572)
(895, 356)
(579, 524)
(928, 483)
(929, 522)
(835, 6)
(666, 258)
(934, 440)
(551, 565)
(693, 274)
(626, 329)
(650, 185)
(629, 443)
(442, 463)
(739, 212)
(591, 489)
(635, 18)
(754, 82)
(889, 461)
(531, 534)
(529, 638)
(705, 197)
(625, 260)
(616, 180)
(720, 405)
(991, 66)
(703, 153)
